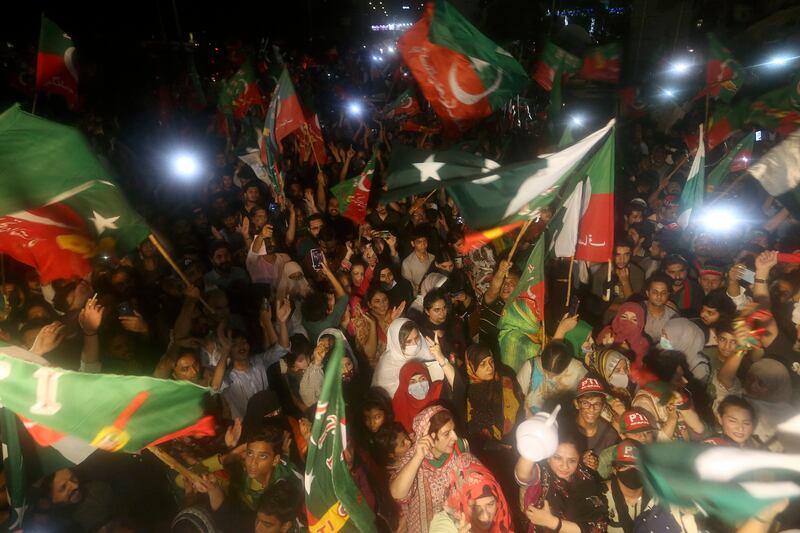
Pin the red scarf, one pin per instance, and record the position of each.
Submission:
(405, 406)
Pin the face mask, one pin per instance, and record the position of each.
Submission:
(619, 381)
(347, 376)
(664, 344)
(419, 390)
(587, 349)
(411, 351)
(630, 478)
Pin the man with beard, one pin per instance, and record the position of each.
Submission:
(342, 227)
(624, 491)
(223, 273)
(687, 296)
(67, 504)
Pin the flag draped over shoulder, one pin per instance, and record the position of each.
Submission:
(726, 482)
(333, 501)
(59, 206)
(778, 171)
(463, 74)
(55, 63)
(694, 189)
(353, 194)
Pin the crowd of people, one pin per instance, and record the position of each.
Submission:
(680, 344)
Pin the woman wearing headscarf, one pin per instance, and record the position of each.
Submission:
(519, 334)
(311, 383)
(416, 392)
(476, 499)
(294, 285)
(403, 343)
(627, 330)
(422, 479)
(768, 387)
(561, 493)
(434, 280)
(685, 336)
(555, 372)
(613, 368)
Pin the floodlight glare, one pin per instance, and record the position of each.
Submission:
(718, 220)
(354, 108)
(576, 120)
(185, 165)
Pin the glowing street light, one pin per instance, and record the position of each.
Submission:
(576, 120)
(669, 93)
(185, 165)
(680, 67)
(354, 108)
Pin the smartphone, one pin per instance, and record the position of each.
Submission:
(574, 304)
(273, 207)
(383, 234)
(747, 275)
(125, 309)
(316, 259)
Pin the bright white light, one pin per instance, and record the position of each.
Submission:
(354, 108)
(669, 93)
(745, 160)
(779, 61)
(390, 49)
(185, 165)
(576, 120)
(680, 67)
(718, 220)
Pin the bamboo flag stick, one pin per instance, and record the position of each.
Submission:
(519, 237)
(174, 464)
(175, 267)
(569, 279)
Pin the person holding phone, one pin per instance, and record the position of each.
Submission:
(315, 316)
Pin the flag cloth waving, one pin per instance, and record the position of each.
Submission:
(55, 63)
(694, 189)
(59, 206)
(778, 171)
(554, 63)
(333, 501)
(737, 159)
(240, 92)
(724, 75)
(463, 74)
(353, 194)
(726, 482)
(404, 105)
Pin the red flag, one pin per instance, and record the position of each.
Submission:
(312, 144)
(478, 239)
(55, 66)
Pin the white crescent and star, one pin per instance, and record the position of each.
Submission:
(429, 169)
(102, 223)
(469, 98)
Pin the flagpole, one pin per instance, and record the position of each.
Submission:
(519, 237)
(607, 295)
(174, 464)
(175, 267)
(569, 279)
(35, 98)
(311, 143)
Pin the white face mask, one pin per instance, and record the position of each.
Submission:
(665, 344)
(419, 390)
(619, 381)
(412, 350)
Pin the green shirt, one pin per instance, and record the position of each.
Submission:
(330, 321)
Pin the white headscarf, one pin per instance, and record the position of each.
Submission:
(387, 372)
(295, 289)
(338, 334)
(434, 280)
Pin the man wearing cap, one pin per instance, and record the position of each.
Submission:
(624, 492)
(589, 401)
(633, 425)
(711, 277)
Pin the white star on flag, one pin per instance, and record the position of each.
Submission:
(101, 223)
(309, 479)
(429, 169)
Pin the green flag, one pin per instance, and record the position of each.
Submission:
(59, 206)
(778, 110)
(567, 138)
(240, 92)
(554, 63)
(728, 483)
(404, 105)
(333, 501)
(692, 194)
(735, 160)
(353, 194)
(724, 75)
(486, 193)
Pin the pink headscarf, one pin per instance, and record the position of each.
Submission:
(627, 331)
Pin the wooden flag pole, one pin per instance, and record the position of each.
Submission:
(519, 237)
(311, 143)
(174, 464)
(569, 279)
(729, 188)
(175, 266)
(607, 294)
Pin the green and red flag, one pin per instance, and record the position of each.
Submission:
(353, 194)
(59, 206)
(478, 239)
(724, 75)
(463, 74)
(692, 195)
(312, 144)
(602, 63)
(729, 483)
(405, 105)
(554, 64)
(55, 63)
(736, 160)
(725, 120)
(419, 126)
(778, 110)
(333, 501)
(240, 92)
(631, 103)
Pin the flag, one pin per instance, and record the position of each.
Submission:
(463, 74)
(312, 144)
(724, 75)
(692, 195)
(109, 412)
(726, 482)
(478, 239)
(486, 193)
(404, 105)
(284, 116)
(631, 102)
(778, 171)
(59, 206)
(602, 63)
(567, 138)
(554, 64)
(353, 194)
(725, 120)
(333, 501)
(735, 160)
(240, 92)
(55, 63)
(778, 110)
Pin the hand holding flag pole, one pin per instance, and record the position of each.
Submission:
(175, 267)
(174, 464)
(519, 237)
(311, 143)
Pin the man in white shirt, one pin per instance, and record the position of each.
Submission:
(416, 265)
